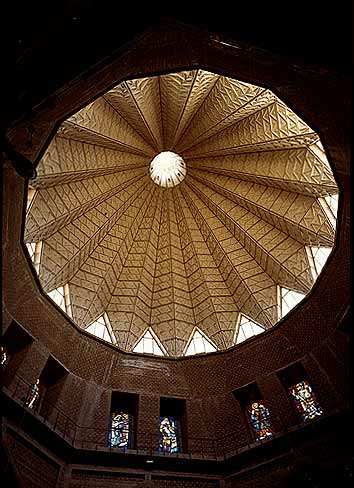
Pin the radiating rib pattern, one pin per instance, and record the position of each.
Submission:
(197, 255)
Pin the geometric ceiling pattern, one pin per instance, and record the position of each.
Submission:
(199, 254)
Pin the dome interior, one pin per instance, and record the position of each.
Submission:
(229, 245)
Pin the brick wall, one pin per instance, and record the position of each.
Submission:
(104, 480)
(33, 468)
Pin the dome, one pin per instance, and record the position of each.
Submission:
(218, 253)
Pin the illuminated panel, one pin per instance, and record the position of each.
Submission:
(305, 401)
(199, 344)
(259, 418)
(168, 439)
(167, 169)
(120, 431)
(148, 345)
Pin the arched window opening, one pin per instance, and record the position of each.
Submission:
(297, 384)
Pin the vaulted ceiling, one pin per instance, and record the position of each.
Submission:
(218, 244)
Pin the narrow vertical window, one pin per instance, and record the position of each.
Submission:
(34, 395)
(168, 439)
(298, 387)
(35, 253)
(109, 328)
(67, 300)
(123, 418)
(305, 400)
(30, 196)
(256, 411)
(330, 207)
(5, 356)
(259, 418)
(172, 419)
(120, 430)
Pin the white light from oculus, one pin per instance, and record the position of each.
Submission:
(167, 169)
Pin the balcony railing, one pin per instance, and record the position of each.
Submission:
(146, 443)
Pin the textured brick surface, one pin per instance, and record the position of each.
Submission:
(104, 480)
(33, 468)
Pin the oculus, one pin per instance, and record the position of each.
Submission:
(167, 169)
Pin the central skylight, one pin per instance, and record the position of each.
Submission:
(167, 169)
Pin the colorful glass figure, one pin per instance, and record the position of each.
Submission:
(33, 395)
(168, 441)
(4, 356)
(119, 435)
(259, 417)
(305, 400)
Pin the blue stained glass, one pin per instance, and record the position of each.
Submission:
(305, 400)
(259, 417)
(34, 394)
(119, 435)
(168, 439)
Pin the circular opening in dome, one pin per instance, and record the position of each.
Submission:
(167, 169)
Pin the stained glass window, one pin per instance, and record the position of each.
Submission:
(247, 328)
(34, 394)
(199, 344)
(168, 438)
(120, 430)
(305, 400)
(4, 356)
(259, 417)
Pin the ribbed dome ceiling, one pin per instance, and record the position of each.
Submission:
(218, 244)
